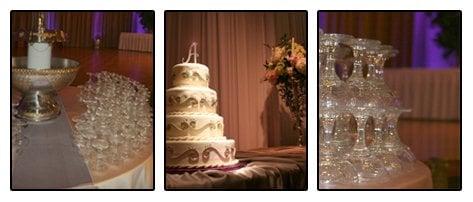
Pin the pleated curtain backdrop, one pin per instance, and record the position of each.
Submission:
(393, 28)
(113, 24)
(79, 26)
(21, 21)
(232, 46)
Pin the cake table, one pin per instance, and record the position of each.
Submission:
(268, 168)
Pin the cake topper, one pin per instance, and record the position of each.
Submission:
(192, 52)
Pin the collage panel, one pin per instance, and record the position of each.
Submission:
(389, 100)
(236, 100)
(82, 100)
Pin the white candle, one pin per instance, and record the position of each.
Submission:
(39, 56)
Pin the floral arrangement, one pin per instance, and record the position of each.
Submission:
(287, 60)
(287, 70)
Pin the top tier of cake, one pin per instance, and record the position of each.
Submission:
(193, 74)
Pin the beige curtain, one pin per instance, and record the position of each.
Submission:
(432, 94)
(113, 24)
(232, 45)
(78, 26)
(21, 21)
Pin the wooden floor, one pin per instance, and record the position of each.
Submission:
(136, 65)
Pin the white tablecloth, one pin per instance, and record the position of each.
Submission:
(136, 42)
(140, 177)
(419, 177)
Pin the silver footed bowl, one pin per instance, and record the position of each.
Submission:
(39, 87)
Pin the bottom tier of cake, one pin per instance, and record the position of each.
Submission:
(200, 154)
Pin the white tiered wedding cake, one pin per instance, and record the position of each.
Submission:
(194, 131)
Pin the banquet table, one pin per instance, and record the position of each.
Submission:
(51, 161)
(136, 42)
(267, 168)
(419, 177)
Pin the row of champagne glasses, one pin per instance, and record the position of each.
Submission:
(117, 123)
(347, 101)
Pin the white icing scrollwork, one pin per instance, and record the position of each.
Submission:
(186, 128)
(191, 102)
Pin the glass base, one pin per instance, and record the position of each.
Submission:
(336, 171)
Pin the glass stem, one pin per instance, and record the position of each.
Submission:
(328, 124)
(378, 131)
(357, 65)
(345, 72)
(371, 72)
(393, 139)
(330, 64)
(379, 69)
(360, 143)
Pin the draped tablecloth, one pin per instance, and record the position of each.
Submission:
(419, 177)
(269, 168)
(46, 161)
(136, 42)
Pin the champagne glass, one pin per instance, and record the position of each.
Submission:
(100, 145)
(332, 168)
(392, 141)
(375, 58)
(378, 114)
(363, 105)
(333, 90)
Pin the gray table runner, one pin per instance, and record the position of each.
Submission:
(50, 160)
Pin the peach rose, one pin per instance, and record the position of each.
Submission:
(292, 60)
(300, 65)
(271, 76)
(278, 54)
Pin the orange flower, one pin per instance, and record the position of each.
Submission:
(300, 65)
(278, 54)
(271, 76)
